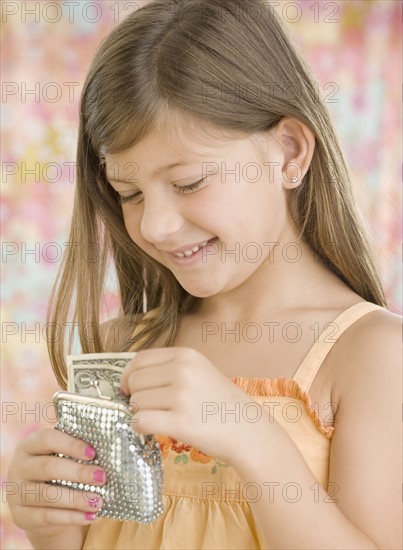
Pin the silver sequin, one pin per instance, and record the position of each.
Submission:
(134, 471)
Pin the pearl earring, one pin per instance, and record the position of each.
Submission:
(294, 180)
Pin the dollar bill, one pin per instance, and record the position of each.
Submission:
(106, 368)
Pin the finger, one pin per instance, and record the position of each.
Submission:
(157, 376)
(155, 422)
(46, 468)
(145, 359)
(48, 441)
(28, 518)
(158, 399)
(47, 495)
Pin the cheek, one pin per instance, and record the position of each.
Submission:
(132, 222)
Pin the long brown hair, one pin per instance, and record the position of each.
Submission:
(166, 63)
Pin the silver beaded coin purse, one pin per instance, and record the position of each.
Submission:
(132, 462)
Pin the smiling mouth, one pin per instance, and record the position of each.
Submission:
(192, 251)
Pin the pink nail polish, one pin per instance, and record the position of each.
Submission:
(90, 451)
(98, 476)
(90, 516)
(94, 502)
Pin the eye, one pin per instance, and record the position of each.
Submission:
(181, 190)
(130, 198)
(192, 186)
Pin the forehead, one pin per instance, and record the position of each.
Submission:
(187, 141)
(183, 138)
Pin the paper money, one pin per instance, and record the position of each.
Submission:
(106, 368)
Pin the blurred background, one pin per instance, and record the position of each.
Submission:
(353, 48)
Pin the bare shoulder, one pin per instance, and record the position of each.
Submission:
(365, 460)
(369, 350)
(117, 333)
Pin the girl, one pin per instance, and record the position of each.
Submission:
(209, 169)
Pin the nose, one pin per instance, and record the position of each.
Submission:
(161, 219)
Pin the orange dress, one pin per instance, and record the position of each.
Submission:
(205, 501)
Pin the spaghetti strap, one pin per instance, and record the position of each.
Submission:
(314, 358)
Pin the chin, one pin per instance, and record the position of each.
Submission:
(200, 292)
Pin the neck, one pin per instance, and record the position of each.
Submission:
(291, 278)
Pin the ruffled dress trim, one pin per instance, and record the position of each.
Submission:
(282, 387)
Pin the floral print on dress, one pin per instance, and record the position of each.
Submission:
(184, 453)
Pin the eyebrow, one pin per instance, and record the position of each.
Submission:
(159, 170)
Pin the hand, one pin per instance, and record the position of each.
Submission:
(178, 392)
(46, 510)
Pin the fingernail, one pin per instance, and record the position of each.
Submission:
(94, 502)
(98, 475)
(90, 451)
(90, 516)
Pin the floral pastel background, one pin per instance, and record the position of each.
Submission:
(353, 48)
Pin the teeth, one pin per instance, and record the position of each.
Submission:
(190, 252)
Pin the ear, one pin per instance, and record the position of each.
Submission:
(297, 142)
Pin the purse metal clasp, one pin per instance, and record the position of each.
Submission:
(95, 384)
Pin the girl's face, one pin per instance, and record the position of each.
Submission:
(226, 190)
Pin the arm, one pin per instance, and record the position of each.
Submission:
(365, 461)
(114, 334)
